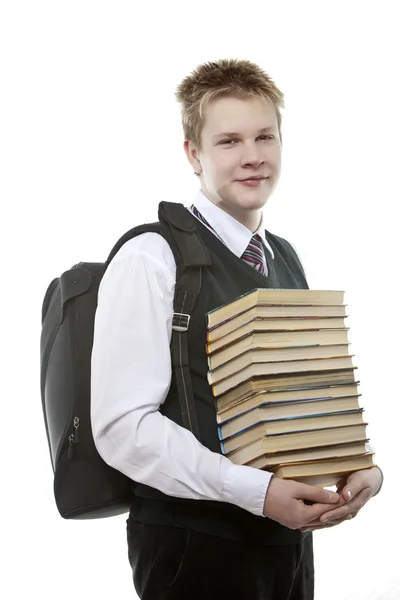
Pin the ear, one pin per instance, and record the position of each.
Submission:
(192, 155)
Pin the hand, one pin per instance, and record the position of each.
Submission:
(359, 487)
(285, 502)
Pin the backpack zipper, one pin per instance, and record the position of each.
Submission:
(73, 437)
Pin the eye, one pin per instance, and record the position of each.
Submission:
(263, 137)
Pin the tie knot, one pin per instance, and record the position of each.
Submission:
(255, 242)
(254, 254)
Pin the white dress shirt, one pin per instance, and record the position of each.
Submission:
(131, 376)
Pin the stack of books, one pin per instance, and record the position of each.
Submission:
(283, 378)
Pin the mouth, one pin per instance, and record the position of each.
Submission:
(255, 178)
(253, 181)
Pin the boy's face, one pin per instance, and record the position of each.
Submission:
(225, 160)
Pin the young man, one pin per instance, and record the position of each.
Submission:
(200, 526)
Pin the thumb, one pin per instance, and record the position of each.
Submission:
(316, 494)
(352, 487)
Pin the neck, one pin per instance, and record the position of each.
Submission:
(250, 218)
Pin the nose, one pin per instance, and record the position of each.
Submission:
(252, 154)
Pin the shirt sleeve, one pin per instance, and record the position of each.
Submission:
(130, 379)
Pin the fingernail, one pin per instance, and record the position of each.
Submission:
(324, 519)
(348, 494)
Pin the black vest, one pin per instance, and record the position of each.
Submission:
(227, 278)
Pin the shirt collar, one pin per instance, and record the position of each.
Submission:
(234, 234)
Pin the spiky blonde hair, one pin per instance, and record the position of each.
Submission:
(221, 79)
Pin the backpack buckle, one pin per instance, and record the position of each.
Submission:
(180, 322)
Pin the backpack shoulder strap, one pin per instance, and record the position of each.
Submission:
(191, 255)
(178, 226)
(139, 229)
(181, 226)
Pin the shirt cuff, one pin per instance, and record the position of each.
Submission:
(246, 487)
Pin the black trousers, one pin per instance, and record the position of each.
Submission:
(169, 563)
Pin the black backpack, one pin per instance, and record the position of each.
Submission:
(85, 487)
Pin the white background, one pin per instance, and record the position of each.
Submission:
(91, 141)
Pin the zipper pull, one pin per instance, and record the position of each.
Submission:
(70, 445)
(73, 438)
(76, 432)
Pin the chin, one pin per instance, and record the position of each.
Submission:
(252, 200)
(242, 198)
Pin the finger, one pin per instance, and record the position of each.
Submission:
(340, 512)
(351, 507)
(317, 522)
(315, 494)
(329, 523)
(354, 485)
(314, 512)
(318, 525)
(341, 485)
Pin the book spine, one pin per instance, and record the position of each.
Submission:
(255, 290)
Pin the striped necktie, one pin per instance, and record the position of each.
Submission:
(254, 253)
